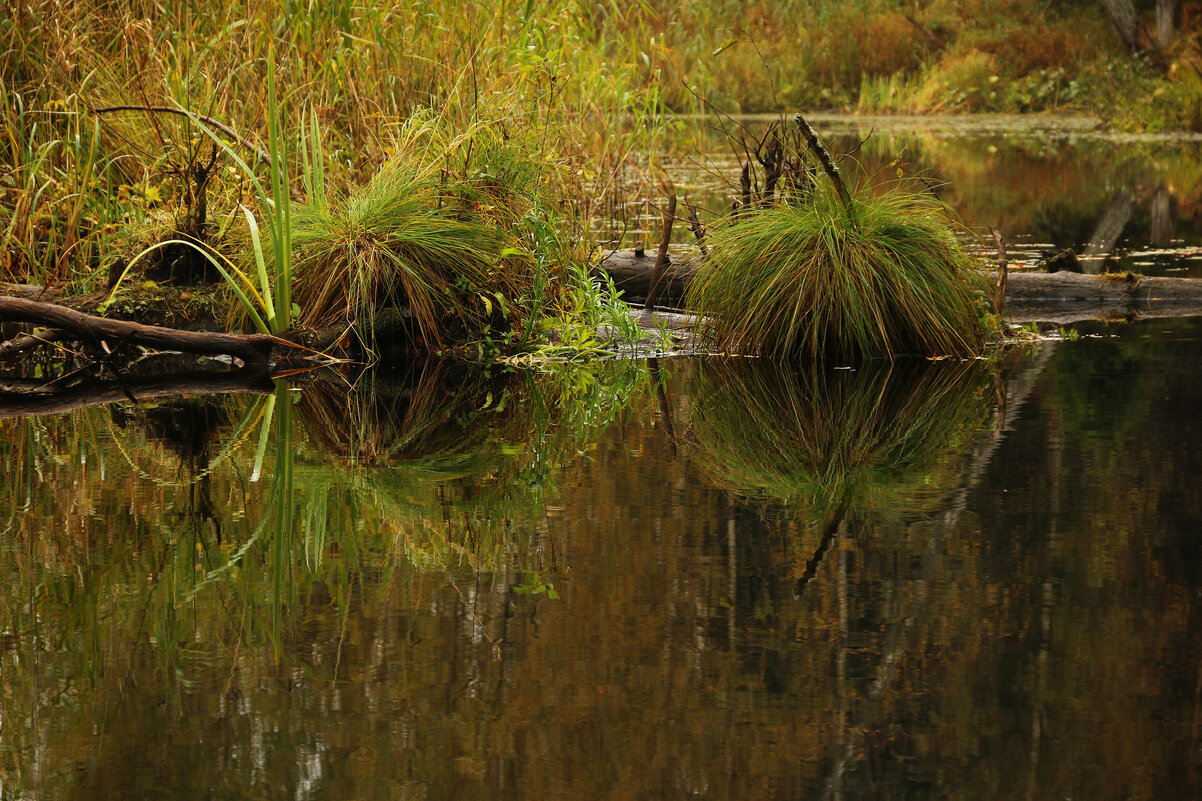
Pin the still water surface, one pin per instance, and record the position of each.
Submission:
(684, 578)
(1048, 183)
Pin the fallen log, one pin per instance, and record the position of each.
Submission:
(631, 271)
(93, 392)
(1069, 297)
(32, 291)
(29, 341)
(1030, 296)
(252, 349)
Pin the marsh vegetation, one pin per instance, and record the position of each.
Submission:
(853, 552)
(329, 163)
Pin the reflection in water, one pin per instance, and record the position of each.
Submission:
(534, 586)
(887, 436)
(842, 447)
(1120, 203)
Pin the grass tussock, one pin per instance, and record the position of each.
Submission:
(880, 276)
(445, 245)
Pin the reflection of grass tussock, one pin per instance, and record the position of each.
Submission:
(409, 415)
(442, 461)
(882, 437)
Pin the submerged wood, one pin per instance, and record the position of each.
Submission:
(252, 349)
(94, 392)
(1030, 296)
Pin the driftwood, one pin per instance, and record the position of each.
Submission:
(252, 349)
(1030, 296)
(92, 392)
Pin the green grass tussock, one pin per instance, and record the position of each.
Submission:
(446, 247)
(881, 276)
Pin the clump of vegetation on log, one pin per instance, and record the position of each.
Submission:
(844, 277)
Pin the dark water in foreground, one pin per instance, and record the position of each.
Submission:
(686, 579)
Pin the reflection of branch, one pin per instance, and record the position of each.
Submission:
(665, 409)
(828, 536)
(95, 392)
(1015, 395)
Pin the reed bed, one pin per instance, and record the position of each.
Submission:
(110, 146)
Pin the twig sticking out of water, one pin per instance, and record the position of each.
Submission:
(745, 184)
(1003, 270)
(772, 160)
(697, 228)
(824, 158)
(661, 259)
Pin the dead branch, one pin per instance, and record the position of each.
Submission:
(1003, 271)
(697, 228)
(252, 349)
(661, 258)
(218, 124)
(824, 158)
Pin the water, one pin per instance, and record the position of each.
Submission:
(1048, 183)
(684, 578)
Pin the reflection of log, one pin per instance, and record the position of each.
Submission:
(95, 392)
(253, 349)
(1162, 218)
(1029, 296)
(1110, 227)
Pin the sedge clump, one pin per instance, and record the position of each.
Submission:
(842, 278)
(442, 241)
